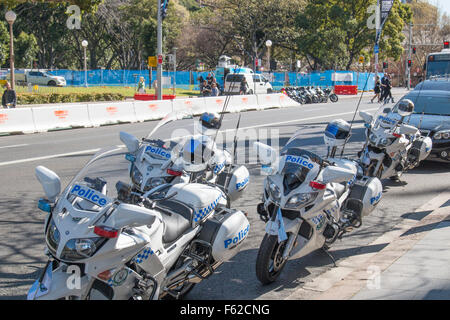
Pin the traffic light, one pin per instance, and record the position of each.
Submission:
(164, 5)
(409, 63)
(414, 50)
(446, 45)
(385, 65)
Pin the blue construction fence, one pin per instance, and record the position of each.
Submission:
(188, 79)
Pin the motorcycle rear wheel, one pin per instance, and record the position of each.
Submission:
(270, 262)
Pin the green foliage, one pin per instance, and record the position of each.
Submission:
(37, 98)
(4, 43)
(333, 33)
(85, 5)
(25, 50)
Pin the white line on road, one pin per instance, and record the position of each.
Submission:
(49, 157)
(250, 127)
(14, 146)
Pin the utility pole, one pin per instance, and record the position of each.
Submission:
(159, 52)
(377, 19)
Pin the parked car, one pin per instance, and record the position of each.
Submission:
(257, 83)
(432, 115)
(38, 77)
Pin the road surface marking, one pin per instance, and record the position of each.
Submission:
(222, 131)
(14, 146)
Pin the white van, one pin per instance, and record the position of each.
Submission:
(257, 83)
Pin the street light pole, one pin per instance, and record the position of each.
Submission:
(268, 45)
(10, 17)
(84, 43)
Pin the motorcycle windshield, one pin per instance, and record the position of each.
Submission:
(95, 185)
(298, 166)
(385, 120)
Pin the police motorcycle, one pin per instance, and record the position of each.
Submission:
(392, 146)
(309, 201)
(153, 164)
(106, 241)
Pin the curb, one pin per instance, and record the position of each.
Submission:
(351, 274)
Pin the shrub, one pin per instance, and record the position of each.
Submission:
(39, 98)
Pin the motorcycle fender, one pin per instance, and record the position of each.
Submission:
(290, 226)
(59, 288)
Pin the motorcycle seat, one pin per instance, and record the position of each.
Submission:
(177, 218)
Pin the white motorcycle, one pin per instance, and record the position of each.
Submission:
(152, 159)
(309, 202)
(105, 241)
(392, 146)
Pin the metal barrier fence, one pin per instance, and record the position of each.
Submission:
(188, 79)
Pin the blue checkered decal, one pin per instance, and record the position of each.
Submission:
(202, 213)
(144, 255)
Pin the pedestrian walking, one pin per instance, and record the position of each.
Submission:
(387, 95)
(200, 80)
(9, 98)
(244, 86)
(377, 89)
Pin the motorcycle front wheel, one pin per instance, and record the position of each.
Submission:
(270, 261)
(334, 98)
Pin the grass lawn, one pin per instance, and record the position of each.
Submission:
(126, 91)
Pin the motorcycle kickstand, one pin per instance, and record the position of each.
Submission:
(325, 249)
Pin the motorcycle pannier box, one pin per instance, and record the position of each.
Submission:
(422, 148)
(365, 195)
(225, 231)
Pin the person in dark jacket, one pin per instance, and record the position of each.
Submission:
(9, 98)
(377, 89)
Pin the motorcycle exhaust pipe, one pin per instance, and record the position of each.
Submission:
(205, 273)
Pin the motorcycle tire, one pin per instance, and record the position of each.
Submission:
(334, 98)
(315, 99)
(269, 252)
(302, 101)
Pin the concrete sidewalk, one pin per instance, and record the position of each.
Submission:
(413, 264)
(423, 273)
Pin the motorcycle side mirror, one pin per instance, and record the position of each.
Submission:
(129, 215)
(50, 182)
(387, 110)
(367, 117)
(336, 174)
(407, 129)
(130, 141)
(266, 154)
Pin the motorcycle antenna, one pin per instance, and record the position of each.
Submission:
(227, 101)
(234, 149)
(354, 115)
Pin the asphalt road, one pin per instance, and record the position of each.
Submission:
(66, 152)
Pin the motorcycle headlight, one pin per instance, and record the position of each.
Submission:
(445, 135)
(136, 176)
(273, 190)
(53, 237)
(77, 249)
(301, 199)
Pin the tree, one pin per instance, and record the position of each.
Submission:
(4, 43)
(251, 22)
(25, 50)
(334, 33)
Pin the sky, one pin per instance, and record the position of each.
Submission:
(443, 4)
